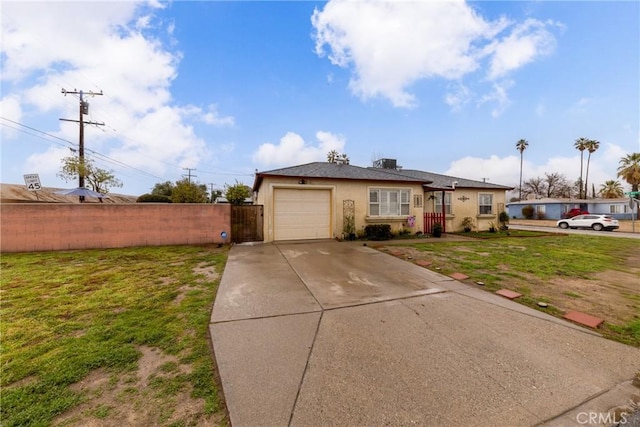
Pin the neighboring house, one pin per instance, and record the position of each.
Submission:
(311, 201)
(222, 200)
(18, 193)
(549, 208)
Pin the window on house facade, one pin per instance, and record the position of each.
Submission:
(417, 200)
(388, 202)
(485, 204)
(541, 209)
(438, 203)
(618, 208)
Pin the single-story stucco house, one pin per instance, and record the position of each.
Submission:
(316, 200)
(550, 208)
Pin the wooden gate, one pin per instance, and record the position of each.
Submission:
(247, 223)
(431, 218)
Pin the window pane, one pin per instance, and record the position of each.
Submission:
(373, 195)
(374, 210)
(485, 202)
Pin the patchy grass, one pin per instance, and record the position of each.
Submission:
(69, 315)
(592, 274)
(501, 234)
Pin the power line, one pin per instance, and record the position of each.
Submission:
(39, 131)
(189, 173)
(73, 145)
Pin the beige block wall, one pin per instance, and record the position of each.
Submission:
(42, 227)
(469, 207)
(358, 191)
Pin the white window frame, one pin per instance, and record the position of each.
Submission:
(437, 206)
(389, 202)
(541, 209)
(618, 209)
(481, 196)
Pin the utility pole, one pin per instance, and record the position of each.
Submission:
(84, 109)
(211, 184)
(189, 173)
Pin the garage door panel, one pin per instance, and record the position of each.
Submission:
(302, 214)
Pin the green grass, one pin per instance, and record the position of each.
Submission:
(65, 314)
(503, 260)
(501, 234)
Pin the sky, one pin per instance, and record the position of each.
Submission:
(221, 89)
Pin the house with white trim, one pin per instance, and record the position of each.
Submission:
(313, 200)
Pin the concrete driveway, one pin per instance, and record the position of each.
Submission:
(328, 333)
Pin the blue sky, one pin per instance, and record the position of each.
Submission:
(230, 87)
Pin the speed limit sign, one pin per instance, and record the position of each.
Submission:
(33, 182)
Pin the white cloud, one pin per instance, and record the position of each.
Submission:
(391, 45)
(10, 108)
(293, 150)
(458, 96)
(212, 117)
(506, 170)
(496, 170)
(109, 48)
(526, 42)
(47, 163)
(499, 96)
(28, 31)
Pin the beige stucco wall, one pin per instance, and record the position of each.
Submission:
(358, 191)
(461, 208)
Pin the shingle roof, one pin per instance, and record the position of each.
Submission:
(336, 171)
(446, 181)
(340, 171)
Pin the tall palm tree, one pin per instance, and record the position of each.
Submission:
(611, 189)
(592, 147)
(521, 146)
(629, 170)
(581, 145)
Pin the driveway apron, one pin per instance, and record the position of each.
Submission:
(327, 333)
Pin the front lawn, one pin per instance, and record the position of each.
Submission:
(116, 335)
(592, 274)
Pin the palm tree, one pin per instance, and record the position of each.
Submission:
(521, 146)
(581, 145)
(332, 156)
(611, 189)
(592, 146)
(629, 170)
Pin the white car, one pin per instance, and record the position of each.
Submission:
(597, 222)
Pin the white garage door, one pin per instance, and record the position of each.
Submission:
(302, 214)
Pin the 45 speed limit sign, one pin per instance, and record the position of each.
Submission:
(33, 182)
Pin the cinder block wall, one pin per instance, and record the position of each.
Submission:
(47, 227)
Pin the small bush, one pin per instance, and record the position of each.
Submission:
(153, 198)
(528, 212)
(540, 215)
(467, 224)
(378, 232)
